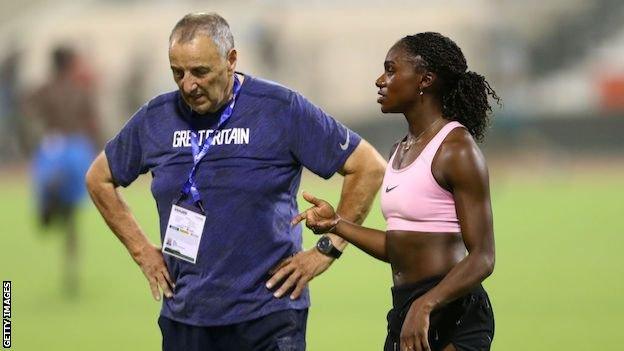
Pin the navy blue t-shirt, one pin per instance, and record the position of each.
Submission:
(248, 182)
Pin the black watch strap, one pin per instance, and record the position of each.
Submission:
(334, 252)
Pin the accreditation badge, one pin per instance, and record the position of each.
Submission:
(183, 234)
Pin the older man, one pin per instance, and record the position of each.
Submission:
(226, 151)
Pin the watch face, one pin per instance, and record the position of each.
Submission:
(324, 245)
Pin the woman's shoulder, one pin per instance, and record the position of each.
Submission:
(457, 140)
(459, 153)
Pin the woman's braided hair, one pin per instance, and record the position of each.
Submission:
(463, 93)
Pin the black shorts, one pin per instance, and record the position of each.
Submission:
(278, 331)
(467, 322)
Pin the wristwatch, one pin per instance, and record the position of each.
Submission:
(327, 248)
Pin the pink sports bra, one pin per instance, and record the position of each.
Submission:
(411, 198)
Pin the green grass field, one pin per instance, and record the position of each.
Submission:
(558, 282)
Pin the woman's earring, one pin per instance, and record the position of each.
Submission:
(421, 93)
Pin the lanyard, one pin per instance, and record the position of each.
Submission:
(198, 154)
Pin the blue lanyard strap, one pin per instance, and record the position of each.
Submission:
(198, 154)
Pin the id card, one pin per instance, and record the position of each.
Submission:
(183, 234)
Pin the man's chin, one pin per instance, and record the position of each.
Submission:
(201, 109)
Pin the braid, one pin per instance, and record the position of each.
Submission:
(463, 94)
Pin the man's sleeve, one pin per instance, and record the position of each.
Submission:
(125, 153)
(318, 141)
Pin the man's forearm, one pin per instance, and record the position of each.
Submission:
(113, 208)
(119, 218)
(359, 187)
(355, 202)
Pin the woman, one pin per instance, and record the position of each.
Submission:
(435, 198)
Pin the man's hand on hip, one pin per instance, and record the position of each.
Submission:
(296, 271)
(116, 213)
(152, 263)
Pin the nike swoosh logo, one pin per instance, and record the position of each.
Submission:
(389, 189)
(346, 143)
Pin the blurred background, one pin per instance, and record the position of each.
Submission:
(555, 151)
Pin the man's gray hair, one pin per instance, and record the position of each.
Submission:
(211, 24)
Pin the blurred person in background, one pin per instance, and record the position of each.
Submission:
(435, 198)
(226, 152)
(65, 108)
(12, 139)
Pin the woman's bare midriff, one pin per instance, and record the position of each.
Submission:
(415, 256)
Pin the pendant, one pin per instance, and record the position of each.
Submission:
(407, 145)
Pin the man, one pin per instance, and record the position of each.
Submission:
(67, 113)
(226, 152)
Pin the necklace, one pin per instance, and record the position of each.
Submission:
(407, 144)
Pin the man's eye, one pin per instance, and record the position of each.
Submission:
(178, 74)
(201, 72)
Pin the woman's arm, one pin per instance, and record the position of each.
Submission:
(322, 218)
(460, 167)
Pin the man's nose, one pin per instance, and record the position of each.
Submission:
(189, 85)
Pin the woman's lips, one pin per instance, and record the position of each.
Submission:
(381, 97)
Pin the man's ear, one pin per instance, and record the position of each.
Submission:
(231, 59)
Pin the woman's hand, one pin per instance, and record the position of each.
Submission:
(415, 330)
(321, 218)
